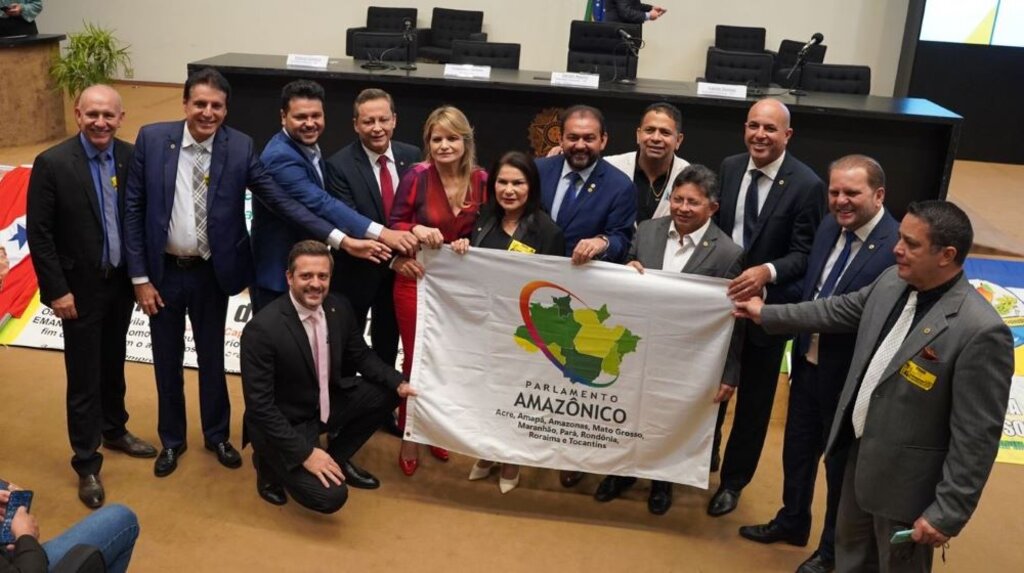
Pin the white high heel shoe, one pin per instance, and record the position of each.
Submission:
(481, 472)
(507, 485)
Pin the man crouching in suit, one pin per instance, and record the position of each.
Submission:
(685, 241)
(292, 358)
(922, 409)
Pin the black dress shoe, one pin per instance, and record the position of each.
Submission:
(167, 461)
(132, 446)
(227, 455)
(357, 477)
(271, 492)
(569, 479)
(90, 491)
(661, 497)
(817, 564)
(723, 502)
(771, 532)
(612, 487)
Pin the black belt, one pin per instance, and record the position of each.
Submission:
(184, 263)
(107, 271)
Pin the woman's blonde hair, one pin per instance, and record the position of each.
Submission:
(452, 119)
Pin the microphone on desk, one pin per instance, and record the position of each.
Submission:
(406, 27)
(816, 39)
(408, 37)
(625, 35)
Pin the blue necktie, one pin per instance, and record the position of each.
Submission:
(570, 196)
(750, 208)
(837, 269)
(108, 205)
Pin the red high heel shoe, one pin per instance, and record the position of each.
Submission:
(408, 466)
(439, 453)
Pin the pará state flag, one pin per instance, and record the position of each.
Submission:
(20, 285)
(595, 11)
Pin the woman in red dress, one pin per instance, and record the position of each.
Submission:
(438, 200)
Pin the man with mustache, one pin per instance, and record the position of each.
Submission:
(293, 355)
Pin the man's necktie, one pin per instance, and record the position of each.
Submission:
(111, 230)
(570, 196)
(317, 165)
(750, 208)
(387, 187)
(321, 361)
(200, 181)
(837, 269)
(880, 361)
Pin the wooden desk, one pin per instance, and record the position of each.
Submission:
(32, 107)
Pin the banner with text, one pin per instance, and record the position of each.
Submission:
(528, 359)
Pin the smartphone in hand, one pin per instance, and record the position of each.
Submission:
(19, 498)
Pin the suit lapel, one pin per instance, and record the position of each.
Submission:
(868, 250)
(819, 256)
(372, 188)
(590, 187)
(660, 238)
(172, 149)
(703, 250)
(775, 193)
(727, 213)
(218, 159)
(298, 333)
(121, 159)
(85, 181)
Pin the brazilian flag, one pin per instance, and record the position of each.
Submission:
(595, 11)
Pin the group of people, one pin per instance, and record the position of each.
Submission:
(162, 224)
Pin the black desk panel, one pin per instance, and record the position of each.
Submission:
(914, 139)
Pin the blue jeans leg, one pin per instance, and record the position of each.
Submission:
(112, 529)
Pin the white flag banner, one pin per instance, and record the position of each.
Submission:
(528, 359)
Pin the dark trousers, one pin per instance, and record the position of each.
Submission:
(759, 377)
(94, 348)
(260, 297)
(194, 293)
(356, 413)
(862, 538)
(383, 324)
(813, 399)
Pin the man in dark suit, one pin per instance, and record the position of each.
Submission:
(75, 208)
(188, 250)
(365, 175)
(631, 11)
(293, 158)
(592, 202)
(771, 205)
(685, 241)
(922, 409)
(850, 250)
(292, 358)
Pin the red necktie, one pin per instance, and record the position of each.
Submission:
(387, 186)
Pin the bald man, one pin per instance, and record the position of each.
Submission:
(771, 206)
(75, 206)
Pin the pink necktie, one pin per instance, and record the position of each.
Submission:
(318, 344)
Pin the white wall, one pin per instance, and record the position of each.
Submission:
(165, 36)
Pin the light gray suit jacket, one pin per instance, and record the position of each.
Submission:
(924, 452)
(716, 256)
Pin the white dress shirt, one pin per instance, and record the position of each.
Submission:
(764, 186)
(678, 250)
(563, 185)
(182, 240)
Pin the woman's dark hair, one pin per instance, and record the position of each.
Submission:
(524, 163)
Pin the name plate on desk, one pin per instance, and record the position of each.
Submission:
(307, 61)
(575, 80)
(467, 72)
(721, 90)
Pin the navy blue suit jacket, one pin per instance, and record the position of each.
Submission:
(606, 205)
(835, 351)
(233, 167)
(272, 236)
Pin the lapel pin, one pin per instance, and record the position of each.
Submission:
(590, 189)
(782, 182)
(705, 243)
(871, 247)
(927, 330)
(173, 146)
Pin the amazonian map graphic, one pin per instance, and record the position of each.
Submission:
(580, 342)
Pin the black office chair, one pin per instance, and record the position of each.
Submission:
(494, 54)
(380, 19)
(835, 78)
(728, 67)
(598, 48)
(446, 26)
(739, 38)
(785, 59)
(379, 46)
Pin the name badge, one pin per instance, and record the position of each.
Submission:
(917, 376)
(518, 247)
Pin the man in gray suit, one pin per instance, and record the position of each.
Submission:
(685, 241)
(924, 401)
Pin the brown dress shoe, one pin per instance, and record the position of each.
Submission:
(90, 491)
(131, 445)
